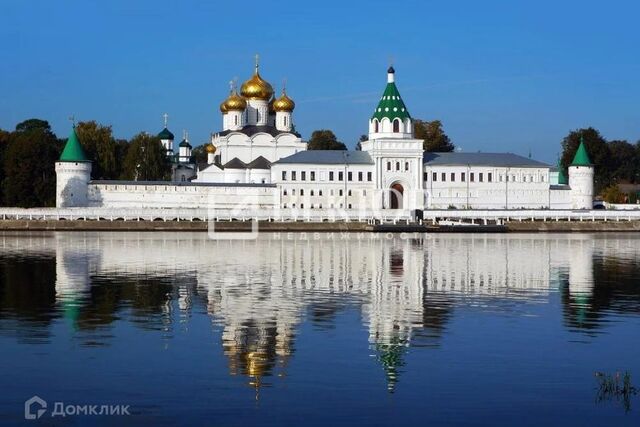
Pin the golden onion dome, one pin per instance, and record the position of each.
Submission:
(256, 87)
(210, 148)
(233, 103)
(284, 103)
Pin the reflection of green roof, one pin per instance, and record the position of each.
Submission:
(165, 134)
(582, 157)
(391, 104)
(73, 151)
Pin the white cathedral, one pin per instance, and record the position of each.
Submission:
(259, 162)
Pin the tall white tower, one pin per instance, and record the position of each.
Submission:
(581, 174)
(396, 153)
(73, 173)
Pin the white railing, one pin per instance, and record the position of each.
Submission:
(501, 216)
(188, 214)
(312, 215)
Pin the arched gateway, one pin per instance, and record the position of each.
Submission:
(396, 193)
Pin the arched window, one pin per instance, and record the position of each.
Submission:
(235, 119)
(285, 120)
(396, 125)
(397, 163)
(375, 125)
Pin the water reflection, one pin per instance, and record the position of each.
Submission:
(259, 293)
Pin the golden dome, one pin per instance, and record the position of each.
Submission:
(284, 103)
(256, 87)
(233, 103)
(210, 148)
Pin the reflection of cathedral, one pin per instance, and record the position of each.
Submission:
(260, 292)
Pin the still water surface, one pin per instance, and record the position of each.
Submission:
(292, 329)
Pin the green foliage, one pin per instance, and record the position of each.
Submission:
(598, 150)
(435, 140)
(624, 162)
(612, 194)
(100, 147)
(616, 387)
(29, 165)
(146, 159)
(324, 139)
(199, 154)
(362, 139)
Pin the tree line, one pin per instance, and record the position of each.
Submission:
(28, 155)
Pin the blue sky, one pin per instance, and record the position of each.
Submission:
(500, 75)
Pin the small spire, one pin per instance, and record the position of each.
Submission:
(231, 87)
(284, 86)
(184, 134)
(166, 119)
(72, 119)
(257, 62)
(529, 152)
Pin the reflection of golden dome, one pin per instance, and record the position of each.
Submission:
(284, 103)
(210, 148)
(256, 87)
(233, 103)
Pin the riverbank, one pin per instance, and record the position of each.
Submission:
(274, 226)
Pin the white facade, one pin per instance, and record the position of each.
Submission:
(581, 182)
(72, 181)
(259, 154)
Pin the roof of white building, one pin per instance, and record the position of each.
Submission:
(329, 157)
(481, 159)
(251, 130)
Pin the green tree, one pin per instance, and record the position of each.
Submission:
(612, 194)
(199, 154)
(432, 133)
(146, 159)
(97, 141)
(362, 139)
(4, 143)
(624, 162)
(324, 139)
(29, 165)
(598, 150)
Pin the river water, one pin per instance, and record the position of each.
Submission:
(320, 329)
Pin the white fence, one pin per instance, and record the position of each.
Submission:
(312, 215)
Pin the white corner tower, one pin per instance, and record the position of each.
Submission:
(581, 173)
(73, 173)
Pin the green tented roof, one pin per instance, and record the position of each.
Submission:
(391, 104)
(73, 151)
(582, 157)
(562, 177)
(165, 134)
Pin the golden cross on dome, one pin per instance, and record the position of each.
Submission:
(166, 119)
(230, 85)
(257, 62)
(284, 85)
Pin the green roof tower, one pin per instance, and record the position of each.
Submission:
(73, 151)
(582, 157)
